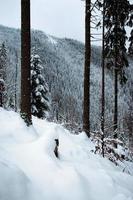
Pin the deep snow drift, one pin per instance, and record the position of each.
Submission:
(29, 169)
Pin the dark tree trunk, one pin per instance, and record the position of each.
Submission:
(86, 109)
(103, 79)
(25, 62)
(1, 99)
(116, 77)
(103, 72)
(116, 102)
(16, 75)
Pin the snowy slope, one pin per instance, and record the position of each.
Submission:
(29, 169)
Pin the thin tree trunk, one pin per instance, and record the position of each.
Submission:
(16, 74)
(103, 72)
(86, 109)
(25, 62)
(116, 102)
(1, 99)
(103, 79)
(116, 79)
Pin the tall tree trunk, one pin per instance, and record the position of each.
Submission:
(115, 101)
(103, 79)
(16, 75)
(86, 109)
(25, 62)
(103, 71)
(116, 77)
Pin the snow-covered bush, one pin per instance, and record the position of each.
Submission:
(106, 146)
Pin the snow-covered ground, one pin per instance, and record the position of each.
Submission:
(29, 169)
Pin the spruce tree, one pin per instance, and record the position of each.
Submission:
(116, 16)
(40, 101)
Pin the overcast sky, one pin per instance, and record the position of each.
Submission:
(62, 18)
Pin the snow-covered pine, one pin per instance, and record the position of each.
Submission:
(40, 101)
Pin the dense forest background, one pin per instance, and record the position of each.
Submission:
(63, 61)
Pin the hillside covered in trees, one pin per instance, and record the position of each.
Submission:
(62, 61)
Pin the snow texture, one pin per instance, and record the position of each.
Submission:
(29, 169)
(52, 40)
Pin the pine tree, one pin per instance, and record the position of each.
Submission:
(40, 101)
(25, 62)
(116, 16)
(86, 107)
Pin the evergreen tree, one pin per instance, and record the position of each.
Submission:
(116, 16)
(25, 62)
(40, 102)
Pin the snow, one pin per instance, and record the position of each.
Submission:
(29, 169)
(1, 81)
(52, 40)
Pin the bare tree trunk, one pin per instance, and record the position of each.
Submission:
(86, 109)
(116, 79)
(16, 75)
(25, 62)
(103, 79)
(1, 99)
(116, 102)
(103, 72)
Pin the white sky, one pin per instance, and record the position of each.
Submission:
(62, 18)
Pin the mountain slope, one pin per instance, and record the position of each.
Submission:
(63, 61)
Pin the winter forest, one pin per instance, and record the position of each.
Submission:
(66, 106)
